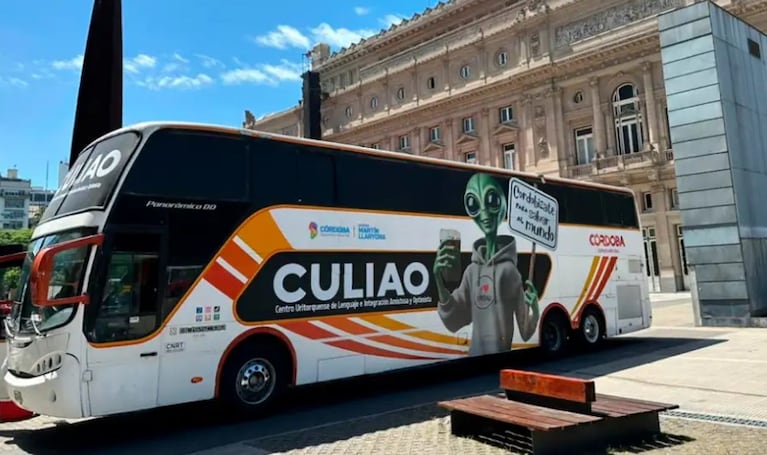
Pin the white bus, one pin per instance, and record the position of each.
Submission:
(182, 262)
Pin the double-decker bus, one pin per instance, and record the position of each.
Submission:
(182, 262)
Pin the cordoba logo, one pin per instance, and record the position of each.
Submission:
(313, 230)
(602, 240)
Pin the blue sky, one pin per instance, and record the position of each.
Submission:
(198, 60)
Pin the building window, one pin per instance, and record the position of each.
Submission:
(647, 202)
(673, 198)
(431, 83)
(376, 146)
(374, 103)
(349, 112)
(468, 125)
(509, 156)
(506, 114)
(401, 93)
(470, 157)
(404, 142)
(465, 72)
(628, 120)
(434, 134)
(584, 146)
(502, 58)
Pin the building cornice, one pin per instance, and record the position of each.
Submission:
(623, 50)
(429, 18)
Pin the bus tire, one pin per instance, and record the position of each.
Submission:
(592, 328)
(255, 378)
(555, 333)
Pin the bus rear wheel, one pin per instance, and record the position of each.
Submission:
(592, 329)
(554, 333)
(255, 378)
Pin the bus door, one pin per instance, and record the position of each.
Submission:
(123, 357)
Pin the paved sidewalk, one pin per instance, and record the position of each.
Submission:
(710, 372)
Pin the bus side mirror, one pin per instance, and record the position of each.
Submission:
(43, 269)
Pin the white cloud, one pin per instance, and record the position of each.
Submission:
(392, 19)
(285, 36)
(74, 63)
(267, 74)
(209, 62)
(179, 58)
(246, 75)
(13, 82)
(339, 37)
(177, 63)
(176, 82)
(141, 61)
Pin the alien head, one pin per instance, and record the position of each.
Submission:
(485, 202)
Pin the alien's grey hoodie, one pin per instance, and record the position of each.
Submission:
(490, 294)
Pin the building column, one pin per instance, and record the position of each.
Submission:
(394, 143)
(527, 135)
(663, 238)
(417, 139)
(612, 147)
(599, 126)
(484, 137)
(559, 116)
(449, 139)
(446, 86)
(552, 135)
(649, 93)
(386, 95)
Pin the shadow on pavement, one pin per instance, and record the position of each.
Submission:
(189, 428)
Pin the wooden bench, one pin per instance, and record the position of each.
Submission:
(543, 413)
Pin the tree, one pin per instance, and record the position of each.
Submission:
(12, 236)
(9, 277)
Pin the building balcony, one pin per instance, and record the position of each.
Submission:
(621, 163)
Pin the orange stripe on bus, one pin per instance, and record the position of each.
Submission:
(222, 280)
(308, 330)
(601, 273)
(348, 326)
(437, 337)
(394, 325)
(587, 284)
(262, 234)
(400, 343)
(370, 350)
(608, 273)
(239, 259)
(387, 322)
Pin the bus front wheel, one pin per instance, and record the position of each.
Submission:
(255, 378)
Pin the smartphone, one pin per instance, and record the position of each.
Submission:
(452, 275)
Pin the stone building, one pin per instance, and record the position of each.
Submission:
(560, 87)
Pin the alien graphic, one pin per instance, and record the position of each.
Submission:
(491, 292)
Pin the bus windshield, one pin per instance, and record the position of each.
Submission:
(66, 281)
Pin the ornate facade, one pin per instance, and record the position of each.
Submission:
(559, 87)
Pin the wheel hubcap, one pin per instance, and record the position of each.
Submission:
(255, 381)
(591, 328)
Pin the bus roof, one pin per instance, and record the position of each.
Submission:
(154, 125)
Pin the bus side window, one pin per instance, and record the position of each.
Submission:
(619, 209)
(128, 307)
(316, 178)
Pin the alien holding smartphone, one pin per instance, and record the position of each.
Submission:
(491, 292)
